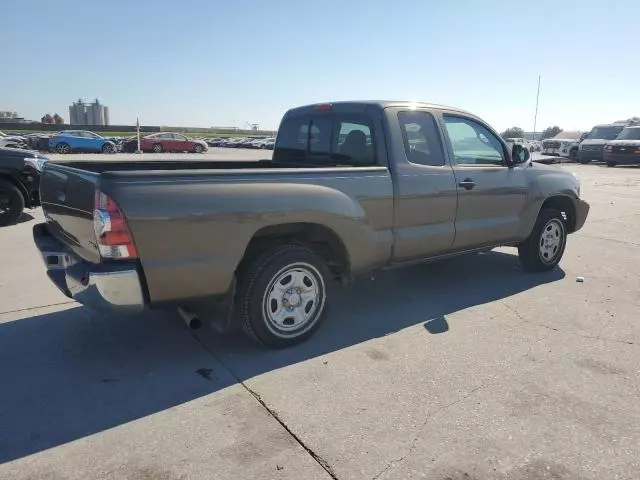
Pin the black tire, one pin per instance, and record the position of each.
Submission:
(266, 274)
(108, 148)
(11, 203)
(573, 153)
(63, 148)
(532, 257)
(611, 164)
(197, 148)
(157, 148)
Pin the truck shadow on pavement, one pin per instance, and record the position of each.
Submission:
(393, 301)
(72, 373)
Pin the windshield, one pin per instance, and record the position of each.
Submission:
(630, 134)
(606, 133)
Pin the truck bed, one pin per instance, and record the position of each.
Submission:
(102, 166)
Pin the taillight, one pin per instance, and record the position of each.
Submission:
(323, 107)
(111, 229)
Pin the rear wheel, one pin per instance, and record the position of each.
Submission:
(573, 153)
(611, 164)
(544, 247)
(11, 203)
(283, 296)
(157, 148)
(63, 148)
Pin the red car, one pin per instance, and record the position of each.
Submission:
(171, 142)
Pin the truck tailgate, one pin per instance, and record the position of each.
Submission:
(67, 197)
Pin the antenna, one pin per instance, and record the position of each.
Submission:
(535, 118)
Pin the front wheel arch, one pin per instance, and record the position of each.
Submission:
(566, 206)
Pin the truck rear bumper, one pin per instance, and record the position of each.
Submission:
(106, 287)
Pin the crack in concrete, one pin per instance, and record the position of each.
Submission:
(414, 442)
(624, 242)
(324, 464)
(39, 306)
(486, 384)
(592, 337)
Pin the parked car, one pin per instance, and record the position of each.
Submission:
(69, 141)
(260, 242)
(263, 143)
(564, 144)
(12, 141)
(591, 147)
(269, 144)
(216, 142)
(171, 142)
(625, 149)
(19, 182)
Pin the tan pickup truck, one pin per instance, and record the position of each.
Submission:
(352, 187)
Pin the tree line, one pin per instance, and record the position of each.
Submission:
(549, 132)
(517, 132)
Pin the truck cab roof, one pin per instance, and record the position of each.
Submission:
(364, 106)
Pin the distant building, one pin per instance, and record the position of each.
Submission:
(7, 116)
(95, 113)
(533, 136)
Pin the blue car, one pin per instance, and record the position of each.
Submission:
(68, 141)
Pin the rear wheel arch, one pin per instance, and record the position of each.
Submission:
(320, 238)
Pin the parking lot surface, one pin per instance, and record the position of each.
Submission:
(468, 369)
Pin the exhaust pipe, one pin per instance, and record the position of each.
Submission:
(189, 319)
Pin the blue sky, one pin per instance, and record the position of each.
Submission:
(203, 63)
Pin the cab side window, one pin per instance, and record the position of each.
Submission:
(472, 143)
(421, 138)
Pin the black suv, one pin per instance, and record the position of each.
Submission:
(19, 182)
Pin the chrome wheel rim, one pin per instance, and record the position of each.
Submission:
(198, 148)
(551, 240)
(293, 300)
(63, 148)
(157, 148)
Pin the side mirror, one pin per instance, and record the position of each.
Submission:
(519, 154)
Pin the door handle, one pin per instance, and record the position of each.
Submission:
(467, 184)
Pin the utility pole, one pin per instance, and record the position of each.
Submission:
(138, 134)
(535, 118)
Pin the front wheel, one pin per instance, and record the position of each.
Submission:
(11, 203)
(611, 164)
(197, 148)
(544, 247)
(108, 148)
(283, 296)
